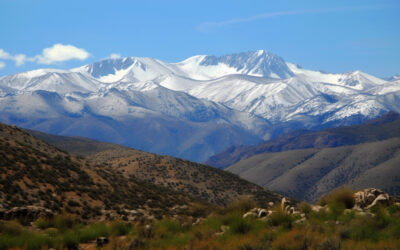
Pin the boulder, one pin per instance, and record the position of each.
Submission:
(382, 199)
(250, 215)
(365, 198)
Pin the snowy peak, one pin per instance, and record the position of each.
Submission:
(256, 63)
(128, 69)
(360, 80)
(60, 81)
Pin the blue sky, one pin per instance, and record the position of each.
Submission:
(334, 36)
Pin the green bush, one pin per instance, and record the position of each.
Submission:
(70, 239)
(92, 232)
(119, 228)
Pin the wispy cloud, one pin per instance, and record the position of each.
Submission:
(54, 54)
(210, 25)
(18, 59)
(2, 64)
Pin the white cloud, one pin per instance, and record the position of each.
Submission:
(56, 53)
(18, 59)
(61, 53)
(4, 55)
(2, 65)
(115, 56)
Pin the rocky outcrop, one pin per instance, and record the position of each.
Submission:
(26, 214)
(370, 197)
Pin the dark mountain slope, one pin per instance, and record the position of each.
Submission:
(387, 126)
(307, 174)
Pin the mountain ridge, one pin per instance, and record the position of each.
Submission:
(384, 127)
(248, 97)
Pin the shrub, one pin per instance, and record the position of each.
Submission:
(339, 196)
(119, 228)
(280, 218)
(70, 239)
(305, 207)
(240, 226)
(10, 228)
(242, 205)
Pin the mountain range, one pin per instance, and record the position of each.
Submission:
(195, 108)
(310, 164)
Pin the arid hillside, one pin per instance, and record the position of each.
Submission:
(197, 180)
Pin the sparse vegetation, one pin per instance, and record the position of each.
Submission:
(223, 228)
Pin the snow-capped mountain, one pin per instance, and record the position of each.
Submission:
(194, 108)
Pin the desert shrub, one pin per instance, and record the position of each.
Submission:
(339, 196)
(305, 207)
(63, 222)
(10, 228)
(168, 226)
(331, 244)
(26, 240)
(119, 228)
(43, 223)
(363, 228)
(92, 232)
(240, 226)
(70, 239)
(292, 240)
(242, 205)
(280, 218)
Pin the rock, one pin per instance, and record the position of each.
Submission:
(198, 221)
(382, 199)
(271, 204)
(101, 241)
(300, 221)
(262, 213)
(316, 208)
(366, 214)
(27, 214)
(254, 210)
(250, 215)
(347, 211)
(225, 229)
(284, 204)
(364, 198)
